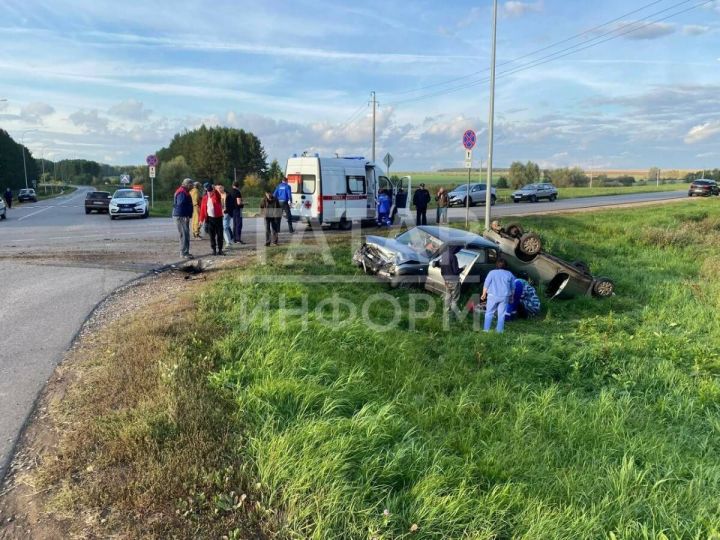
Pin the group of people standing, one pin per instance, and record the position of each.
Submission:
(421, 200)
(210, 207)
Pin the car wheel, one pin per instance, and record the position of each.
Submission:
(87, 211)
(582, 266)
(493, 198)
(515, 230)
(112, 218)
(689, 194)
(345, 225)
(603, 287)
(530, 244)
(516, 201)
(3, 216)
(552, 198)
(533, 198)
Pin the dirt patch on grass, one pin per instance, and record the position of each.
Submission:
(128, 440)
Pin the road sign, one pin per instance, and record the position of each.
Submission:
(151, 170)
(388, 160)
(469, 139)
(125, 179)
(152, 160)
(468, 164)
(468, 155)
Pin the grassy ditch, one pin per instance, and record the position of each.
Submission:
(600, 418)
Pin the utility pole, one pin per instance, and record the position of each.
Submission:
(657, 177)
(491, 119)
(374, 108)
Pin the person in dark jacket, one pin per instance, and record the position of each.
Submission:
(421, 199)
(271, 210)
(237, 212)
(8, 197)
(182, 214)
(450, 271)
(211, 213)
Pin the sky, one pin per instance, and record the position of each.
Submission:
(113, 82)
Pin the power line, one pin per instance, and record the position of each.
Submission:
(557, 55)
(532, 53)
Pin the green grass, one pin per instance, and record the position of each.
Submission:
(600, 418)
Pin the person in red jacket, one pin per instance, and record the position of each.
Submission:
(211, 213)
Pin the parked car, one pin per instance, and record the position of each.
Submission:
(560, 278)
(412, 257)
(704, 188)
(3, 209)
(478, 193)
(28, 194)
(99, 201)
(128, 203)
(535, 192)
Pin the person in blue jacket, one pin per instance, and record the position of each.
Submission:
(182, 214)
(383, 203)
(283, 193)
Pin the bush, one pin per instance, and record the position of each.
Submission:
(254, 185)
(502, 183)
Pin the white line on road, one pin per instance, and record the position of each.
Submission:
(36, 213)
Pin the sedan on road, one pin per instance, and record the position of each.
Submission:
(3, 209)
(478, 193)
(25, 195)
(99, 201)
(412, 257)
(704, 188)
(128, 203)
(535, 192)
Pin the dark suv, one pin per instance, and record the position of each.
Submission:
(704, 188)
(98, 201)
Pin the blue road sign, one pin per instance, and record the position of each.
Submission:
(469, 139)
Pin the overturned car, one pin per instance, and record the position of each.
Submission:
(413, 257)
(523, 252)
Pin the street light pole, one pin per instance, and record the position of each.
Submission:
(22, 143)
(491, 120)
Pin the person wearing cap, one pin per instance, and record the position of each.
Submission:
(182, 214)
(421, 199)
(211, 213)
(196, 195)
(283, 193)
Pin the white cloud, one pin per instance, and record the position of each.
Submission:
(695, 29)
(702, 131)
(90, 120)
(130, 109)
(645, 30)
(515, 8)
(36, 111)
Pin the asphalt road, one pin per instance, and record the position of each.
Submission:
(56, 264)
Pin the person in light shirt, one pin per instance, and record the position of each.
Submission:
(498, 291)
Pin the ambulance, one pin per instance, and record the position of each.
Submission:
(339, 191)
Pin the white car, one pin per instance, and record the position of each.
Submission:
(3, 209)
(128, 203)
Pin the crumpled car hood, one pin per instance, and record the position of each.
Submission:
(392, 246)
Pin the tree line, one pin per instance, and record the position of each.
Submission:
(521, 174)
(12, 173)
(216, 154)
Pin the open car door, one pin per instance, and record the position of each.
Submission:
(474, 264)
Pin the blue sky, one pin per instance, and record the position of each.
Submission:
(114, 81)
